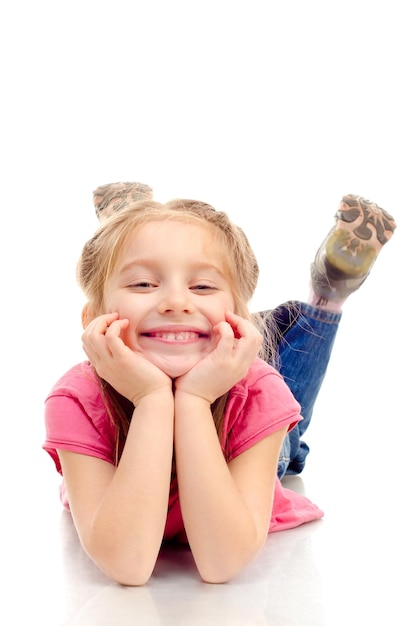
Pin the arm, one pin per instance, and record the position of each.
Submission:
(120, 513)
(226, 508)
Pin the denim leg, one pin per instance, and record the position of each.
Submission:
(306, 336)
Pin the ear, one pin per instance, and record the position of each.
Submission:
(86, 315)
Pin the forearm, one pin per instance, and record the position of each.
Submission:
(127, 529)
(222, 531)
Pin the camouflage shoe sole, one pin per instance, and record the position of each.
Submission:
(346, 256)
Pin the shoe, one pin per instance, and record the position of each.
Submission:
(116, 196)
(346, 256)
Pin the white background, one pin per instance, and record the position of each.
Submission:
(268, 110)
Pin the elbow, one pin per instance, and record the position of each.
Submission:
(221, 573)
(129, 579)
(125, 569)
(217, 576)
(222, 568)
(214, 580)
(127, 575)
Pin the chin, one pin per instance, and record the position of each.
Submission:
(174, 366)
(176, 373)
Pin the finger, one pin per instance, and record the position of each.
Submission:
(93, 338)
(100, 324)
(113, 336)
(248, 339)
(225, 339)
(239, 324)
(225, 332)
(241, 327)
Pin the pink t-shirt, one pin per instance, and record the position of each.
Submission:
(260, 404)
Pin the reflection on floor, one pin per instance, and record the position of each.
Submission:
(356, 566)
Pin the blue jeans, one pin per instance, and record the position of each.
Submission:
(305, 335)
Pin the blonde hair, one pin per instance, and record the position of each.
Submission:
(101, 253)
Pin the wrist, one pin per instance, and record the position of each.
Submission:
(188, 398)
(154, 396)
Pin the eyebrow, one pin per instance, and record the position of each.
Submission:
(152, 264)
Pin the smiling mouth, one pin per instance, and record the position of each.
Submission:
(172, 336)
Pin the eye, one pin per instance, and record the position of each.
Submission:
(203, 287)
(142, 285)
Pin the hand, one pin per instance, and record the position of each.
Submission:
(236, 348)
(127, 371)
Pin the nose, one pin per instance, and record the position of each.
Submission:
(176, 301)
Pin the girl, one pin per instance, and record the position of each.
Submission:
(173, 428)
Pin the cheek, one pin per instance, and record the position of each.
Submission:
(108, 306)
(229, 303)
(117, 303)
(218, 313)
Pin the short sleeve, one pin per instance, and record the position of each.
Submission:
(76, 418)
(258, 406)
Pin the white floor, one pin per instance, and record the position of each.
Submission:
(357, 566)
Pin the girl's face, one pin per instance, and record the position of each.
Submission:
(171, 286)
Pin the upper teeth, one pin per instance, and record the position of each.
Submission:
(171, 336)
